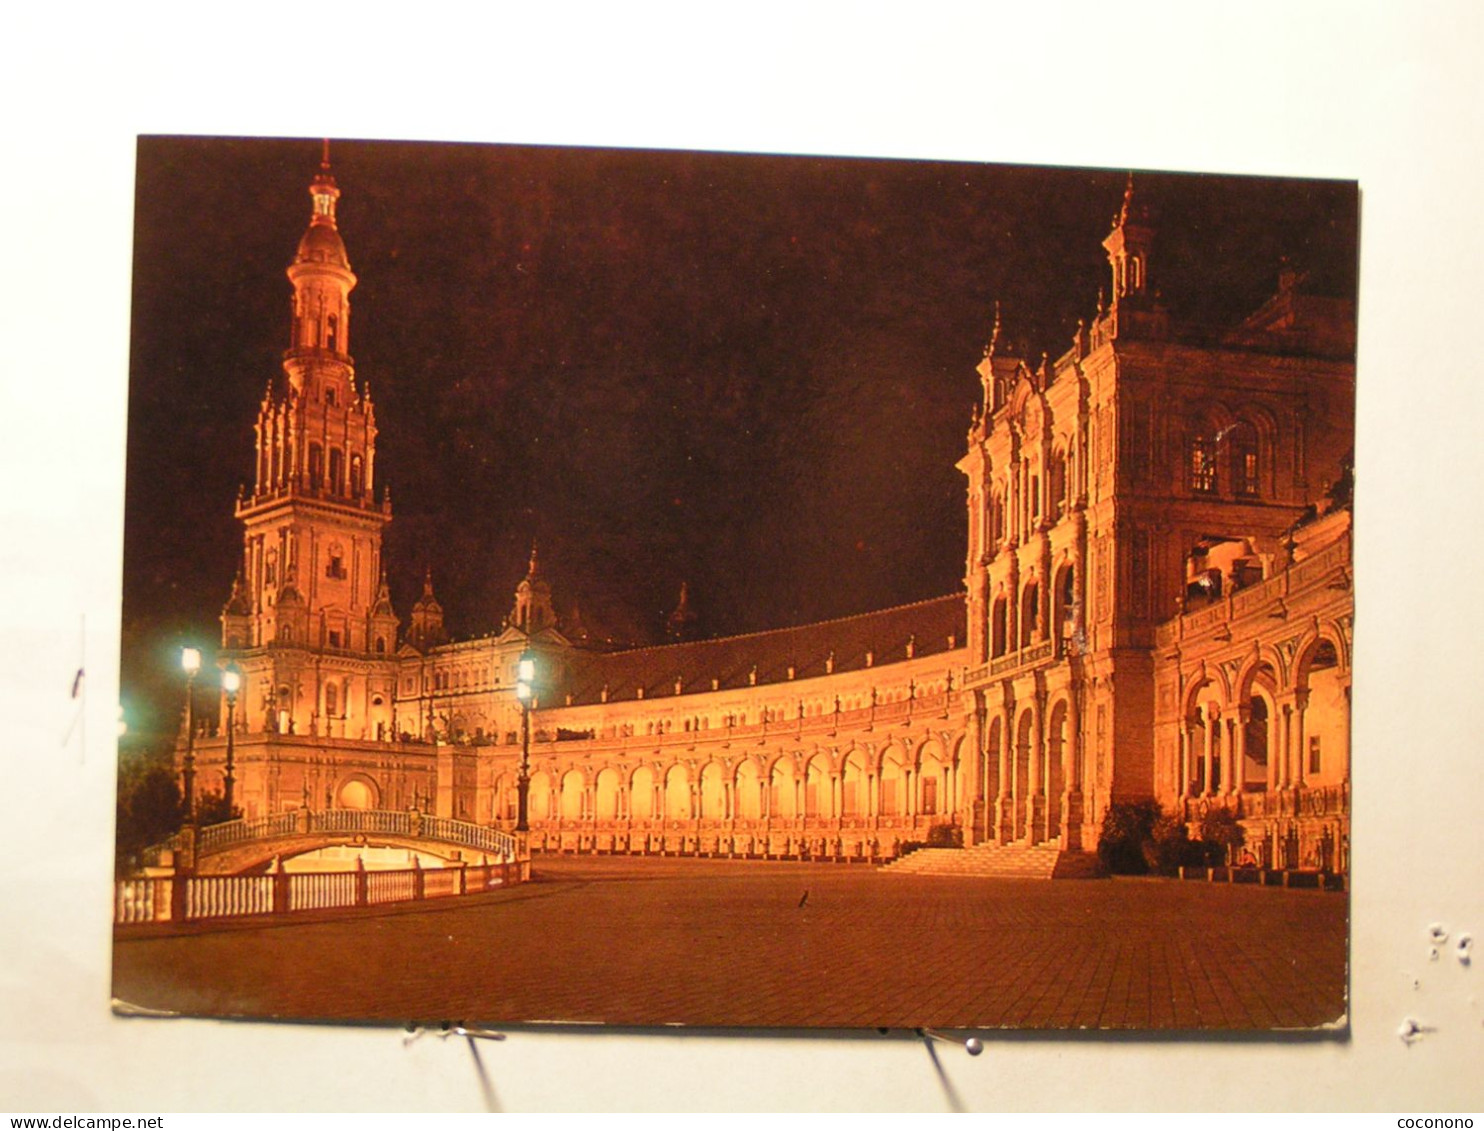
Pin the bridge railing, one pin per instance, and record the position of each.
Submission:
(339, 822)
(188, 898)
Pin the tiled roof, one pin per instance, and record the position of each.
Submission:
(932, 626)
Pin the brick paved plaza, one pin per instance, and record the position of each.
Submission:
(645, 942)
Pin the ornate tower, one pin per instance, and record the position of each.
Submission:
(310, 622)
(533, 611)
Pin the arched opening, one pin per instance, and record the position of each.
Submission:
(641, 794)
(932, 784)
(748, 792)
(337, 471)
(1056, 751)
(1255, 739)
(1022, 772)
(853, 786)
(1325, 717)
(1058, 483)
(1242, 447)
(892, 786)
(356, 793)
(817, 800)
(605, 795)
(999, 626)
(1200, 458)
(316, 467)
(357, 477)
(1064, 617)
(539, 798)
(713, 793)
(1029, 606)
(992, 744)
(781, 793)
(571, 799)
(677, 795)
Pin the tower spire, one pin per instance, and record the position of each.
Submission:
(1128, 246)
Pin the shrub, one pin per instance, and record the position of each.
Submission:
(945, 836)
(1127, 827)
(1221, 836)
(1169, 846)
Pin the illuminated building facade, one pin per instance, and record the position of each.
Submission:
(1156, 606)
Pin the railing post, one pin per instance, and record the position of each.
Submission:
(178, 896)
(418, 880)
(280, 891)
(363, 894)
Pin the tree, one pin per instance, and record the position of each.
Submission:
(149, 809)
(211, 809)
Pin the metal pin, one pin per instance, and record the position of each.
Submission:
(449, 1029)
(972, 1045)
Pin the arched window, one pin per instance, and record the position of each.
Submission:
(1201, 462)
(337, 471)
(331, 697)
(357, 477)
(316, 467)
(1242, 442)
(332, 337)
(1029, 603)
(381, 643)
(1064, 621)
(999, 627)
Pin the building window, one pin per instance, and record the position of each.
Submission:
(929, 796)
(332, 338)
(334, 638)
(316, 467)
(330, 699)
(1313, 754)
(335, 566)
(357, 477)
(1030, 600)
(1244, 459)
(337, 471)
(1203, 464)
(381, 644)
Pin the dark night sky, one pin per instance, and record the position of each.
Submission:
(753, 374)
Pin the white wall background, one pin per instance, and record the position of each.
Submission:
(1387, 94)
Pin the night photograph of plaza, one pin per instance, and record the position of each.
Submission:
(734, 591)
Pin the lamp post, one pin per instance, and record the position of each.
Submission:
(190, 662)
(525, 679)
(231, 683)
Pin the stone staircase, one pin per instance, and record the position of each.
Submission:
(1003, 861)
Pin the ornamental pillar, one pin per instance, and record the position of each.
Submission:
(1208, 729)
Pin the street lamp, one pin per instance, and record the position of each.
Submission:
(190, 662)
(525, 689)
(231, 684)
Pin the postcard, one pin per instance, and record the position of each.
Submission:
(662, 588)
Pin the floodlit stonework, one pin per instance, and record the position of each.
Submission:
(1157, 604)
